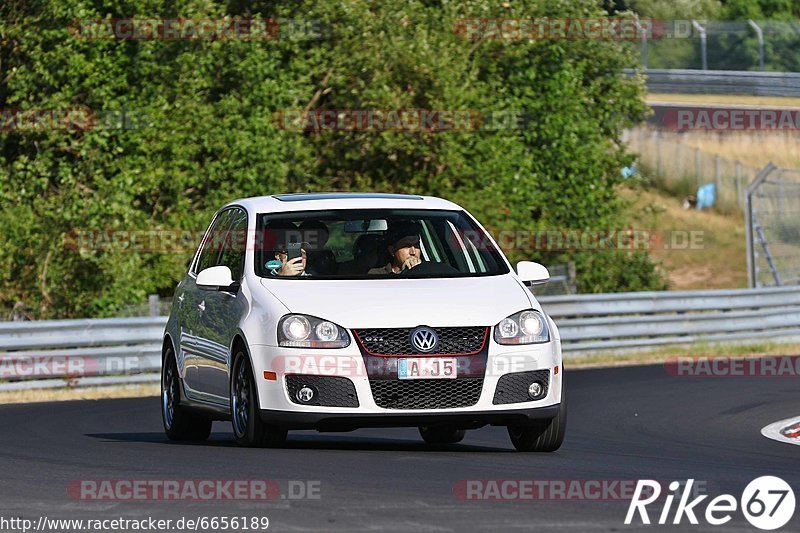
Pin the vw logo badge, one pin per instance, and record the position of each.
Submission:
(424, 339)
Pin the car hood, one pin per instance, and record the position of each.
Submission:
(384, 303)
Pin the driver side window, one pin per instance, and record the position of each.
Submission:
(213, 242)
(234, 246)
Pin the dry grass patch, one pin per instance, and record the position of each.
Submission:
(83, 393)
(716, 260)
(661, 355)
(752, 149)
(724, 99)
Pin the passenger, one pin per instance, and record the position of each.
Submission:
(320, 261)
(280, 265)
(316, 233)
(369, 251)
(290, 267)
(402, 243)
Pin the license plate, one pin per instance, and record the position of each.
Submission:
(426, 368)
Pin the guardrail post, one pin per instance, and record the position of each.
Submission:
(748, 231)
(644, 44)
(760, 35)
(703, 49)
(697, 166)
(752, 267)
(739, 195)
(154, 304)
(657, 136)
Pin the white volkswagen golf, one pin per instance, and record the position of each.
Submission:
(340, 311)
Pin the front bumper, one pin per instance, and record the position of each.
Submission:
(277, 408)
(351, 421)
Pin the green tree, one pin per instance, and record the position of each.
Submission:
(201, 130)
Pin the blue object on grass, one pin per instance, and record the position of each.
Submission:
(706, 194)
(627, 172)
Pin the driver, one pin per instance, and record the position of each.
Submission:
(402, 243)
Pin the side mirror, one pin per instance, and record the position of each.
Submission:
(533, 273)
(217, 278)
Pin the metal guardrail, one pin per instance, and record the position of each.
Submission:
(639, 320)
(722, 82)
(80, 352)
(128, 350)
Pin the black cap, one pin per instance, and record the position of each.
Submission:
(275, 232)
(402, 228)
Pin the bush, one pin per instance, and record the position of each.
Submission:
(607, 271)
(204, 132)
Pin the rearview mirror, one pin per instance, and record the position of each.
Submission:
(363, 226)
(533, 273)
(217, 278)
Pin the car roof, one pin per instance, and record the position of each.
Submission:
(341, 200)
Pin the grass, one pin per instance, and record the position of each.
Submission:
(660, 355)
(712, 258)
(676, 160)
(87, 393)
(752, 149)
(725, 99)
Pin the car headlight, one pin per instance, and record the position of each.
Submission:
(525, 327)
(303, 331)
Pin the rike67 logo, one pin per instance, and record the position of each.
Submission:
(767, 503)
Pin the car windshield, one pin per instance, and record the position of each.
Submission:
(374, 244)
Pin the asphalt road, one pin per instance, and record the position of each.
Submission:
(624, 424)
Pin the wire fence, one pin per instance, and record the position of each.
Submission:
(773, 216)
(155, 306)
(764, 45)
(681, 169)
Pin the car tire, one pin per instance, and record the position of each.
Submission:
(179, 423)
(542, 436)
(248, 428)
(441, 434)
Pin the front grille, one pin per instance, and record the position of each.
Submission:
(426, 393)
(513, 388)
(395, 341)
(332, 391)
